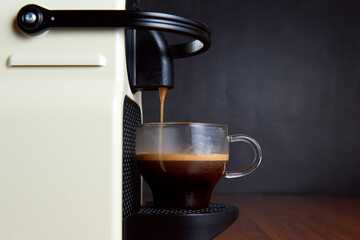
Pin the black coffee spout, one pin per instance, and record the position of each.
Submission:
(149, 60)
(149, 57)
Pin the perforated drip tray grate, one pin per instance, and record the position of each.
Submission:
(149, 222)
(213, 208)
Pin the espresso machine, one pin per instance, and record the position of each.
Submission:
(71, 78)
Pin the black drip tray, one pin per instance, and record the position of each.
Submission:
(179, 224)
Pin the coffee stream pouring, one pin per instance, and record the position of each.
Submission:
(162, 95)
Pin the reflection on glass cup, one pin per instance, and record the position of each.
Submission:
(182, 162)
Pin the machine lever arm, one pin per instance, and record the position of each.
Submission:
(33, 20)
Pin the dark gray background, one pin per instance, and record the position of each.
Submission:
(284, 72)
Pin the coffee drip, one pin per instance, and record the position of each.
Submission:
(162, 94)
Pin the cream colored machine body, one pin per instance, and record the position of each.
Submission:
(61, 110)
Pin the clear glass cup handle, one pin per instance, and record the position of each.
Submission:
(257, 159)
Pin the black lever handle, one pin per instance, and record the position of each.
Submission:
(33, 20)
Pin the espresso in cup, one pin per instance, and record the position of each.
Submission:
(182, 180)
(182, 162)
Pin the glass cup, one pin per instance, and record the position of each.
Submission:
(182, 162)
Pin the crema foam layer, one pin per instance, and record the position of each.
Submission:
(181, 157)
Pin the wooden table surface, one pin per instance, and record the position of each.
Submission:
(292, 217)
(288, 217)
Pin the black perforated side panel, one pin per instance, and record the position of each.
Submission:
(131, 174)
